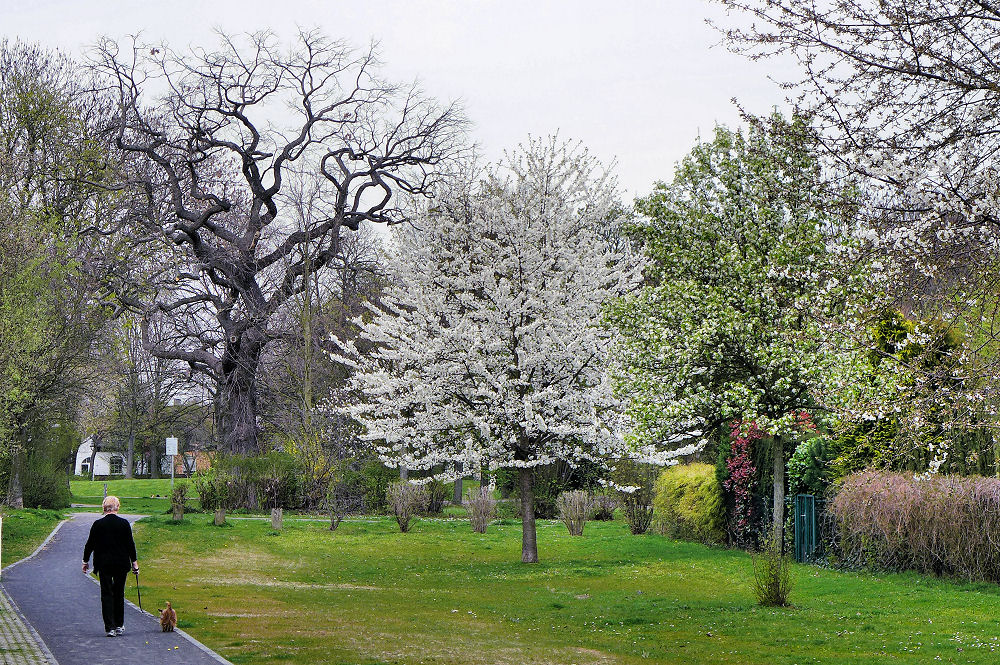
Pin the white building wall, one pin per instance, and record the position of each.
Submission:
(102, 462)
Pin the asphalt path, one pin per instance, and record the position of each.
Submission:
(64, 607)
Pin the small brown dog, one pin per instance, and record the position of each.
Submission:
(168, 619)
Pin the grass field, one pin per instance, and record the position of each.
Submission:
(144, 497)
(367, 594)
(24, 530)
(128, 488)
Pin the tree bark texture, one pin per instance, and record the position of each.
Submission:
(457, 495)
(15, 494)
(529, 538)
(93, 458)
(778, 451)
(130, 456)
(238, 395)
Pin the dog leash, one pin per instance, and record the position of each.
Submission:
(138, 593)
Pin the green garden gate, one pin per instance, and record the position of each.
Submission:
(805, 527)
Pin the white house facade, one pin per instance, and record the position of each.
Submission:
(110, 463)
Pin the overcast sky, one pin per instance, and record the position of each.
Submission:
(635, 81)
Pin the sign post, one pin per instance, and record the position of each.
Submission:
(171, 450)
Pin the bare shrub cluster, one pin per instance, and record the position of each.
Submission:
(603, 509)
(406, 500)
(772, 580)
(945, 525)
(482, 507)
(437, 493)
(177, 498)
(574, 508)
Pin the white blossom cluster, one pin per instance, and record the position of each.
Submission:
(488, 348)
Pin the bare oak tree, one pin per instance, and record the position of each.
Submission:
(213, 139)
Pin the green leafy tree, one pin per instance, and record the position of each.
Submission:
(50, 301)
(728, 327)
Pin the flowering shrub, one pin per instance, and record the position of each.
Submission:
(740, 482)
(689, 504)
(945, 525)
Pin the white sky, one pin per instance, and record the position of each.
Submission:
(635, 81)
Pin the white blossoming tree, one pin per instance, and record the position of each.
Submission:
(729, 326)
(489, 349)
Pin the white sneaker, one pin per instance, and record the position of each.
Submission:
(111, 633)
(120, 630)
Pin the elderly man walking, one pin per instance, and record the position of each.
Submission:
(114, 555)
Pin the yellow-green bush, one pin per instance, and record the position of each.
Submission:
(688, 503)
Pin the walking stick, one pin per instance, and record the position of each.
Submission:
(138, 593)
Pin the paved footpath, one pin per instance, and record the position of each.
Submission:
(64, 606)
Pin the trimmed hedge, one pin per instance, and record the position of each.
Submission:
(689, 504)
(943, 525)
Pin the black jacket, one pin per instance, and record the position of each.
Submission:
(112, 544)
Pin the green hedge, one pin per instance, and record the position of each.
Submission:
(688, 503)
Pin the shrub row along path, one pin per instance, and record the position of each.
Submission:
(64, 607)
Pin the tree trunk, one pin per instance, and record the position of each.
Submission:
(457, 495)
(403, 473)
(777, 446)
(154, 461)
(529, 539)
(93, 457)
(15, 494)
(276, 519)
(237, 393)
(130, 456)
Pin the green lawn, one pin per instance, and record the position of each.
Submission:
(128, 488)
(442, 594)
(143, 497)
(24, 530)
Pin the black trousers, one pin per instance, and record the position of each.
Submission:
(113, 597)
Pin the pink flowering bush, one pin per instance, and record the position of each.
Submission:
(945, 525)
(741, 481)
